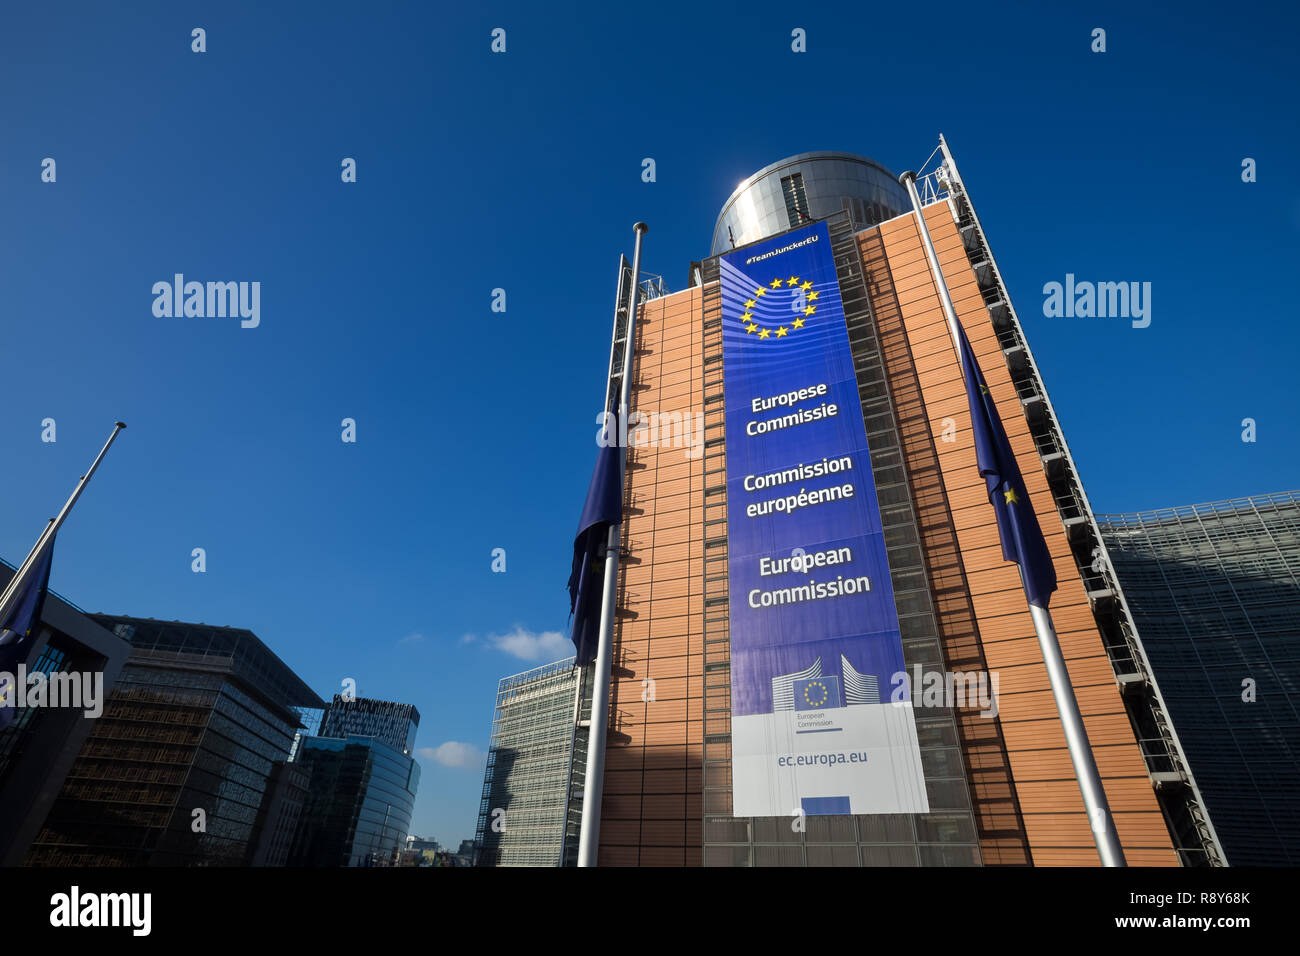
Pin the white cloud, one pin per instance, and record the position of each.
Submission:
(415, 638)
(527, 645)
(455, 754)
(533, 646)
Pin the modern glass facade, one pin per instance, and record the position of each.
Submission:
(522, 819)
(358, 805)
(392, 723)
(51, 660)
(40, 746)
(279, 815)
(176, 770)
(1215, 592)
(805, 188)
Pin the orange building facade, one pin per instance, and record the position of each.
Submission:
(1002, 790)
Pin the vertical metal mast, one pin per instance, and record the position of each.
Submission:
(16, 583)
(623, 291)
(593, 784)
(1100, 819)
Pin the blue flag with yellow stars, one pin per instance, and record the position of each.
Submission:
(20, 628)
(604, 507)
(1022, 538)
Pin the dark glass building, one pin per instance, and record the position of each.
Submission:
(177, 770)
(1215, 592)
(277, 821)
(39, 747)
(391, 723)
(358, 806)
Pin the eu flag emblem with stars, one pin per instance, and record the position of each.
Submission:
(793, 295)
(1022, 538)
(603, 508)
(816, 693)
(19, 630)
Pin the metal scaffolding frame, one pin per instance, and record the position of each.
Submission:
(1176, 790)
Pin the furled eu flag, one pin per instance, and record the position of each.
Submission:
(19, 629)
(1022, 538)
(603, 508)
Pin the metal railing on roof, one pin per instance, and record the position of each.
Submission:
(652, 287)
(1180, 512)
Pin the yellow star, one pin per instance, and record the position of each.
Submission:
(797, 323)
(775, 283)
(751, 303)
(750, 328)
(747, 316)
(1011, 496)
(782, 332)
(793, 280)
(806, 286)
(764, 333)
(812, 296)
(760, 291)
(810, 310)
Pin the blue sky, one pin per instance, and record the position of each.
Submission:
(521, 170)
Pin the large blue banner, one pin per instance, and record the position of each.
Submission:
(815, 643)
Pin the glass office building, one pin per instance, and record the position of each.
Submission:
(522, 817)
(178, 767)
(1215, 592)
(41, 744)
(281, 810)
(391, 723)
(358, 805)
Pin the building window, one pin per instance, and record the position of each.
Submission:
(796, 200)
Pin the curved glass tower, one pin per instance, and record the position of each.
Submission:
(804, 188)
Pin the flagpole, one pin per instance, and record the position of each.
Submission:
(594, 783)
(16, 582)
(624, 275)
(21, 572)
(1100, 819)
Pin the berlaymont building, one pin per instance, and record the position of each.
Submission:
(831, 531)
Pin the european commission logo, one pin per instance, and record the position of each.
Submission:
(810, 689)
(816, 693)
(793, 294)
